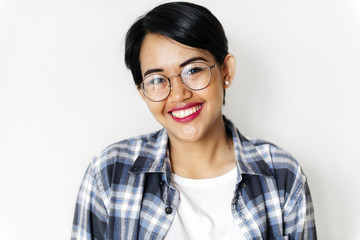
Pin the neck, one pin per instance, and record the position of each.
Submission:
(211, 156)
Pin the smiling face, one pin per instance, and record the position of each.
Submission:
(188, 115)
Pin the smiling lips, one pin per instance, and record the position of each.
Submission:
(186, 113)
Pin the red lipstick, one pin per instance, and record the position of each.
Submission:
(186, 113)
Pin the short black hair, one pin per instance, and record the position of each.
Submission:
(187, 23)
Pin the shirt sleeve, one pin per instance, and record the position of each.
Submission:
(91, 217)
(299, 220)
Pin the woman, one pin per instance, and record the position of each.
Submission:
(198, 177)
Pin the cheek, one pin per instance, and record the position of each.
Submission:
(215, 91)
(155, 108)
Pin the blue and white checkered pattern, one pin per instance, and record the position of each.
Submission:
(127, 192)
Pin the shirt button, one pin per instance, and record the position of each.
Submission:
(162, 183)
(244, 185)
(234, 200)
(168, 210)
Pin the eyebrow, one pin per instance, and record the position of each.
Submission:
(150, 71)
(192, 60)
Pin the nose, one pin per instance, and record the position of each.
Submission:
(179, 92)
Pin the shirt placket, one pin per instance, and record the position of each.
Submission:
(245, 219)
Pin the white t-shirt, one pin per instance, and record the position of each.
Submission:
(204, 210)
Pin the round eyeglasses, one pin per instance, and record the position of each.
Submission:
(195, 76)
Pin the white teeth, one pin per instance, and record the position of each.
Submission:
(187, 112)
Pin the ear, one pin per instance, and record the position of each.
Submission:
(228, 70)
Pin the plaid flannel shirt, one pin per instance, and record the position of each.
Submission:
(127, 192)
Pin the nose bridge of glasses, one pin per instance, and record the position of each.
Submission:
(179, 84)
(175, 75)
(178, 89)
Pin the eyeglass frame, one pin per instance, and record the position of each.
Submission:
(140, 86)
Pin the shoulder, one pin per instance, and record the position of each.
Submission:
(284, 167)
(114, 162)
(275, 156)
(277, 168)
(265, 158)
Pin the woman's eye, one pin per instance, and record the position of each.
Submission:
(194, 70)
(156, 81)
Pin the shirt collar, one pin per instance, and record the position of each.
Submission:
(248, 159)
(153, 156)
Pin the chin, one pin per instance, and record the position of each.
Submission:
(187, 137)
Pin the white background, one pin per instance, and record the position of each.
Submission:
(65, 94)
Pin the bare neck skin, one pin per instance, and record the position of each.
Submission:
(211, 156)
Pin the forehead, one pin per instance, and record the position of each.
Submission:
(158, 51)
